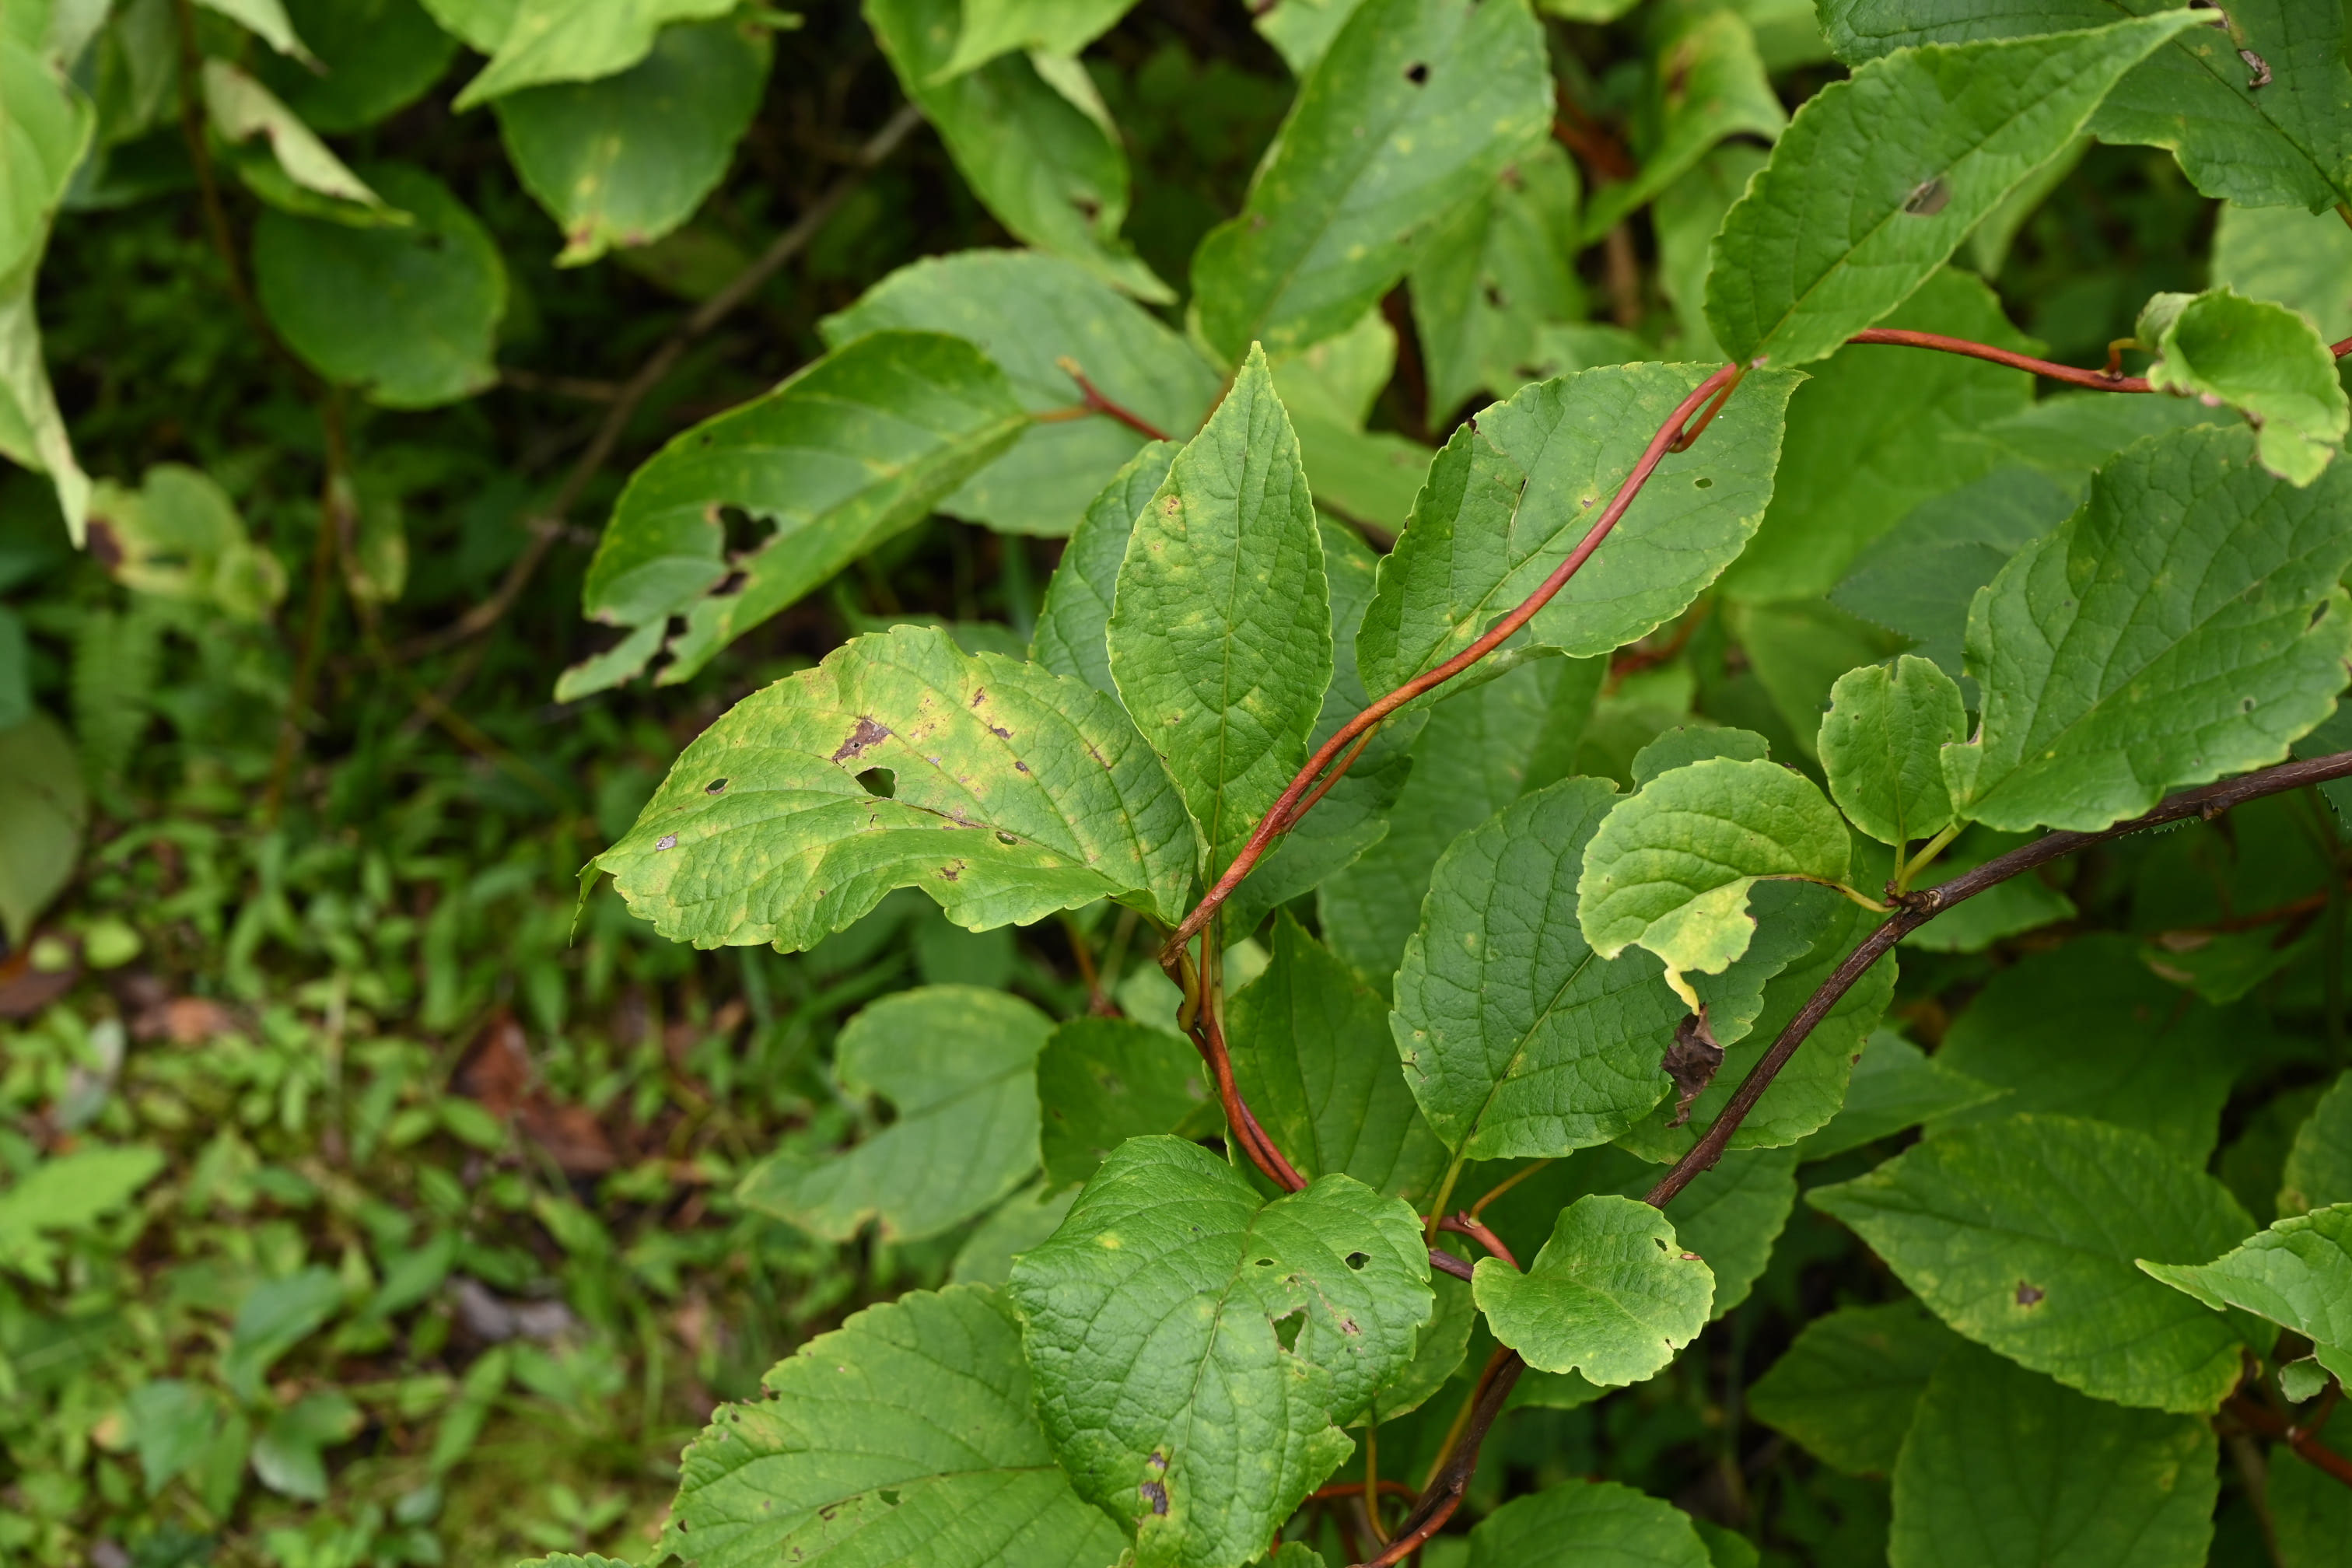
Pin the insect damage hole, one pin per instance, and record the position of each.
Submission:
(1417, 73)
(1928, 197)
(1356, 1260)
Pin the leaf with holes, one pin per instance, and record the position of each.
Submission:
(1040, 317)
(1879, 178)
(1413, 111)
(1221, 635)
(1882, 745)
(1612, 1295)
(2298, 1274)
(1195, 1350)
(1672, 867)
(2025, 1234)
(2263, 359)
(958, 1065)
(904, 1438)
(2186, 624)
(1519, 486)
(850, 451)
(1012, 793)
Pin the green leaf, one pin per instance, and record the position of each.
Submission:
(2189, 573)
(1896, 1086)
(960, 1066)
(2003, 1465)
(2074, 434)
(287, 1456)
(1301, 33)
(1195, 1350)
(1052, 175)
(2023, 1235)
(298, 173)
(2297, 1273)
(1882, 742)
(172, 1423)
(1029, 312)
(1587, 1524)
(1919, 578)
(375, 57)
(1797, 650)
(44, 806)
(1707, 82)
(1358, 811)
(1480, 749)
(2319, 1164)
(1806, 932)
(1221, 636)
(1313, 1061)
(1689, 743)
(992, 27)
(903, 1439)
(1517, 1040)
(1102, 1081)
(2086, 1030)
(2310, 1510)
(278, 1315)
(2263, 359)
(1484, 284)
(1878, 432)
(435, 290)
(2021, 904)
(2284, 142)
(624, 160)
(179, 536)
(1018, 1223)
(1730, 1214)
(483, 25)
(1414, 109)
(1516, 489)
(1847, 1388)
(1074, 621)
(764, 833)
(577, 41)
(1685, 217)
(1919, 147)
(68, 1193)
(1672, 867)
(1612, 1295)
(1439, 1352)
(265, 19)
(851, 451)
(2299, 260)
(44, 132)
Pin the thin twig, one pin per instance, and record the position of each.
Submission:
(1446, 1487)
(658, 365)
(2303, 1440)
(1096, 403)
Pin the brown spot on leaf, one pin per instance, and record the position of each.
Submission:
(1928, 197)
(2027, 1295)
(1156, 1495)
(1691, 1061)
(862, 739)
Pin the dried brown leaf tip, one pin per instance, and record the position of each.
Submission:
(1691, 1061)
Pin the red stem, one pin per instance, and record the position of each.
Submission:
(2097, 380)
(1278, 817)
(2303, 1440)
(1475, 1229)
(1094, 399)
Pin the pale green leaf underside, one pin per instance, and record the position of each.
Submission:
(2286, 143)
(847, 453)
(1672, 867)
(1151, 1322)
(903, 1439)
(1516, 1038)
(1410, 113)
(1028, 312)
(2261, 359)
(1587, 1524)
(1849, 1386)
(578, 40)
(1221, 633)
(2185, 625)
(1520, 485)
(959, 1066)
(2298, 1274)
(1612, 1295)
(2003, 1465)
(1882, 745)
(2024, 1235)
(1017, 792)
(1879, 178)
